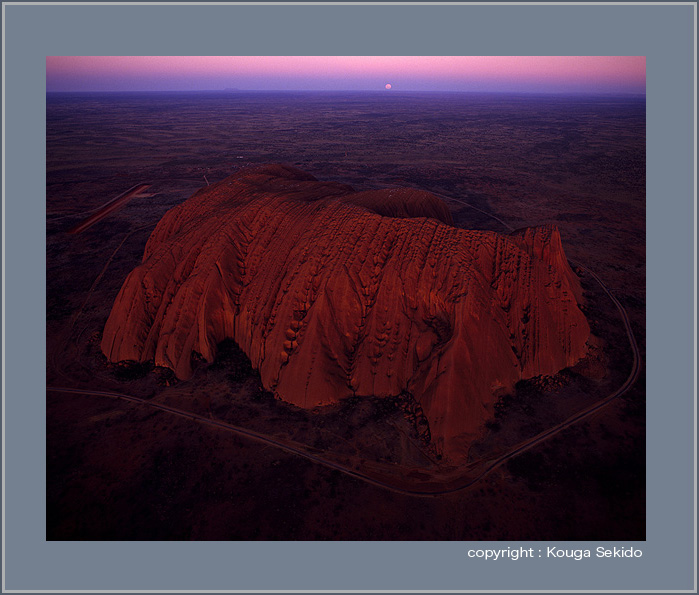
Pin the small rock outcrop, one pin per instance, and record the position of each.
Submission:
(333, 293)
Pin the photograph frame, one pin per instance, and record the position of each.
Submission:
(671, 143)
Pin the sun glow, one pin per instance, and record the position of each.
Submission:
(415, 73)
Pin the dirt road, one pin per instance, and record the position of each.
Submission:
(109, 207)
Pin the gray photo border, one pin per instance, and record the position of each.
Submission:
(663, 32)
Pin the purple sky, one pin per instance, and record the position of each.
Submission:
(529, 74)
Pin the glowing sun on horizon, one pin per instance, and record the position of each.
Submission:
(388, 85)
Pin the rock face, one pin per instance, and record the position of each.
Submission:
(333, 293)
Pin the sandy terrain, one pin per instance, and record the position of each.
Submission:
(119, 470)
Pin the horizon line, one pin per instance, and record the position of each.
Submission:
(377, 91)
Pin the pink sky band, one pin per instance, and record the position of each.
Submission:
(444, 73)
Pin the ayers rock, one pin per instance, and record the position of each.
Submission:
(333, 293)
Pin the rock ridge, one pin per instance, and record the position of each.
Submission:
(334, 293)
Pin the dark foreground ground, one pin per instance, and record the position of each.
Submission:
(117, 470)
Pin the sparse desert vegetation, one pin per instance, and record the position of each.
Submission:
(119, 470)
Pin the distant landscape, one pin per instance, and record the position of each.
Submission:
(225, 447)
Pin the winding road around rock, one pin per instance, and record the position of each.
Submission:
(473, 472)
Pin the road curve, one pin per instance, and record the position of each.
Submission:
(585, 413)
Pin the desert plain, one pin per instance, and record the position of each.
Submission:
(364, 468)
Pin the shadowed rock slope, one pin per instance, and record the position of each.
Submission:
(333, 293)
